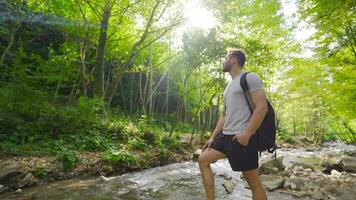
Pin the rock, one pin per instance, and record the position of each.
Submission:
(348, 163)
(317, 195)
(228, 185)
(272, 182)
(226, 176)
(310, 149)
(18, 190)
(295, 183)
(196, 154)
(335, 173)
(301, 165)
(300, 194)
(8, 170)
(331, 162)
(3, 188)
(351, 153)
(272, 166)
(303, 140)
(290, 185)
(105, 179)
(28, 180)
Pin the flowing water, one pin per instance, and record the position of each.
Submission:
(177, 181)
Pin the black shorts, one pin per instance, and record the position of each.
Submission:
(241, 158)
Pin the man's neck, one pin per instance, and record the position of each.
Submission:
(235, 71)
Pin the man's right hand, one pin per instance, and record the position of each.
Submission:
(208, 143)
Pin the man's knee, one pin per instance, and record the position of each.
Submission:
(202, 160)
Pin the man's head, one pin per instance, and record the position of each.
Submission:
(234, 58)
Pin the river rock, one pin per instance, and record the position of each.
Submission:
(196, 154)
(300, 165)
(294, 183)
(290, 185)
(331, 162)
(272, 182)
(317, 195)
(228, 185)
(348, 163)
(28, 180)
(351, 153)
(3, 188)
(303, 140)
(272, 166)
(9, 170)
(335, 173)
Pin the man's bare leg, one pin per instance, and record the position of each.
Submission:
(253, 179)
(206, 157)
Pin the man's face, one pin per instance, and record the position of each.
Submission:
(227, 62)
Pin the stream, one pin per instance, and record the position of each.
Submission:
(177, 181)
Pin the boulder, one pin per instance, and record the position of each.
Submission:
(351, 153)
(295, 183)
(8, 170)
(28, 180)
(335, 173)
(331, 162)
(296, 165)
(317, 195)
(348, 163)
(3, 188)
(272, 182)
(272, 166)
(229, 185)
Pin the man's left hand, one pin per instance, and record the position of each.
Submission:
(242, 138)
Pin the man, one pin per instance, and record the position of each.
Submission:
(234, 136)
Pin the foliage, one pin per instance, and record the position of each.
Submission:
(116, 156)
(55, 54)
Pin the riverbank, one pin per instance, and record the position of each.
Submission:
(295, 175)
(19, 172)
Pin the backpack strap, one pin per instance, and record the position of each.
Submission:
(244, 86)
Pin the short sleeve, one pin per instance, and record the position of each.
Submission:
(254, 82)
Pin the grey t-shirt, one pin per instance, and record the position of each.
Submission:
(237, 113)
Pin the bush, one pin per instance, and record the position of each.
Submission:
(169, 142)
(116, 156)
(284, 135)
(138, 144)
(327, 137)
(68, 158)
(149, 137)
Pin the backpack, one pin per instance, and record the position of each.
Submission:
(266, 133)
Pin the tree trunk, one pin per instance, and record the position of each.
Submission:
(167, 98)
(99, 63)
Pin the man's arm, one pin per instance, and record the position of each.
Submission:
(259, 101)
(260, 109)
(217, 130)
(219, 125)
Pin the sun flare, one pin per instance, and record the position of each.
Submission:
(198, 16)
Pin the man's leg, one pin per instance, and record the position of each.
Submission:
(206, 157)
(253, 179)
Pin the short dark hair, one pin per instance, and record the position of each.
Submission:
(240, 56)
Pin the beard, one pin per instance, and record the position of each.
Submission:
(226, 67)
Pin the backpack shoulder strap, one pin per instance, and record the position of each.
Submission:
(244, 86)
(243, 81)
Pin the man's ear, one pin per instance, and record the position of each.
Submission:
(234, 60)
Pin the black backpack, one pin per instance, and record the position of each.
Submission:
(266, 133)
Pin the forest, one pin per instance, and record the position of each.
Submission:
(121, 76)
